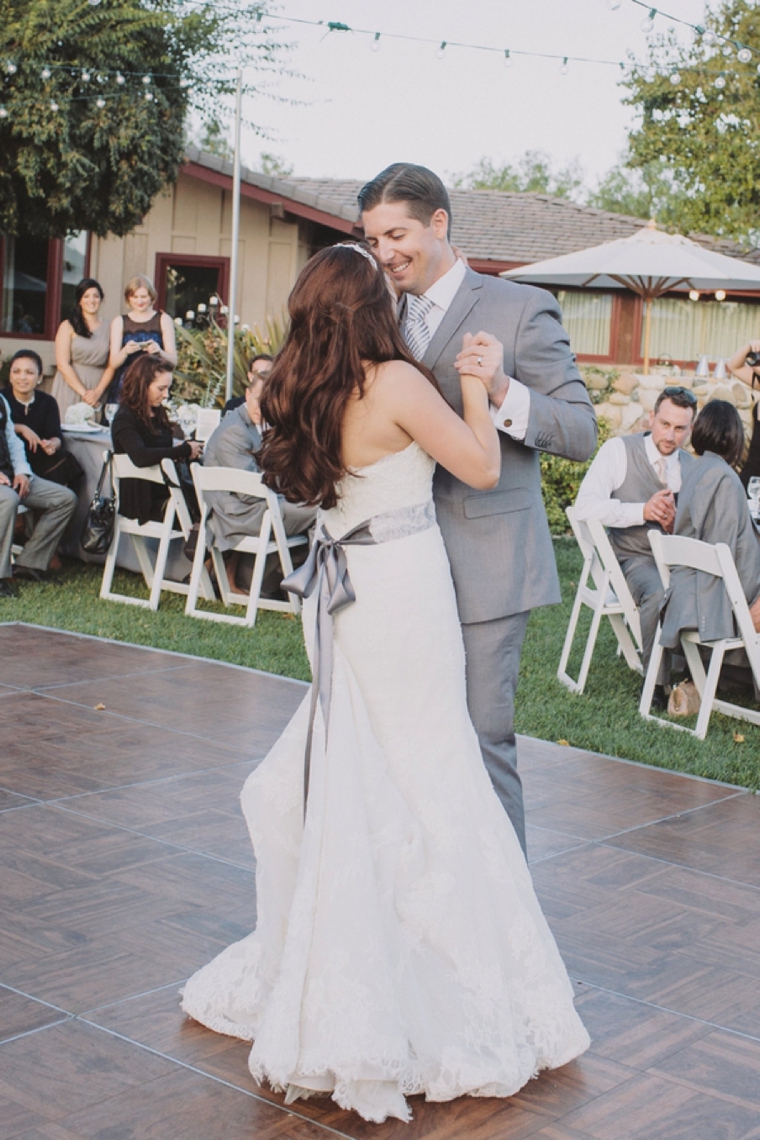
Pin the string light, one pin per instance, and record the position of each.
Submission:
(10, 67)
(85, 77)
(508, 61)
(375, 44)
(744, 55)
(120, 79)
(148, 96)
(3, 113)
(563, 68)
(441, 51)
(694, 294)
(720, 294)
(675, 79)
(45, 73)
(648, 22)
(100, 102)
(146, 79)
(720, 82)
(53, 105)
(709, 37)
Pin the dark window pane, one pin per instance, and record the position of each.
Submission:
(25, 285)
(188, 286)
(74, 258)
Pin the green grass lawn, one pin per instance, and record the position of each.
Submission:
(605, 719)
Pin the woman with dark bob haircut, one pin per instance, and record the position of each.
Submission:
(712, 507)
(400, 948)
(141, 430)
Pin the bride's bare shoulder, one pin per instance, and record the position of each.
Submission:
(392, 374)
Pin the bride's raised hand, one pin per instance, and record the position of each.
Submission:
(482, 355)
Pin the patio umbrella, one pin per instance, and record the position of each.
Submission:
(650, 263)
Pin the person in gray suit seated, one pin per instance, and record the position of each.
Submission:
(234, 443)
(712, 507)
(631, 487)
(497, 541)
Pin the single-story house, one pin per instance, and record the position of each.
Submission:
(184, 244)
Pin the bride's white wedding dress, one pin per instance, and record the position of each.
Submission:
(400, 947)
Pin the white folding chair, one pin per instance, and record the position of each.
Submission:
(270, 539)
(603, 589)
(672, 550)
(175, 524)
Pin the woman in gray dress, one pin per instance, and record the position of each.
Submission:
(81, 351)
(712, 507)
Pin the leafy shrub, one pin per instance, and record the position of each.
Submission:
(201, 371)
(560, 480)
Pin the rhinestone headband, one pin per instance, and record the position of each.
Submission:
(359, 249)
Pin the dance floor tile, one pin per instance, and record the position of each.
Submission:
(21, 1014)
(125, 865)
(723, 839)
(650, 1108)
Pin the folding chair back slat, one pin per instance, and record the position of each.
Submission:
(270, 539)
(717, 560)
(609, 597)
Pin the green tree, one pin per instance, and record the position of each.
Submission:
(93, 100)
(645, 192)
(534, 172)
(213, 139)
(274, 164)
(700, 117)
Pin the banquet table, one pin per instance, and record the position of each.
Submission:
(88, 447)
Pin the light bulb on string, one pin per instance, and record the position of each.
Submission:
(508, 61)
(728, 51)
(53, 105)
(720, 82)
(100, 78)
(148, 96)
(675, 78)
(720, 294)
(146, 79)
(648, 22)
(100, 102)
(744, 55)
(120, 79)
(10, 67)
(85, 77)
(441, 51)
(45, 73)
(3, 112)
(375, 44)
(694, 294)
(94, 3)
(709, 37)
(563, 67)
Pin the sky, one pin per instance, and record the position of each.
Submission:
(359, 110)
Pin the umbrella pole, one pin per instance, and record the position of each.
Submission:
(647, 332)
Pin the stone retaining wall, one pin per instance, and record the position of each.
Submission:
(625, 399)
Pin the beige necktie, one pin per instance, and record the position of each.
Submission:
(662, 470)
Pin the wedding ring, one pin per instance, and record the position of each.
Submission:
(480, 361)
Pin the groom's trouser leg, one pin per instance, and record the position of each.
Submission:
(492, 650)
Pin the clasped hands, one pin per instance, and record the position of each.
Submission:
(661, 508)
(482, 355)
(49, 446)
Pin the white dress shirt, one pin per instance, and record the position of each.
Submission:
(607, 473)
(16, 448)
(512, 415)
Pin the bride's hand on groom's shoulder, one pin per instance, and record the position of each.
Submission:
(482, 355)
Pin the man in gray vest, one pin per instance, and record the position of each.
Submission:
(631, 487)
(498, 542)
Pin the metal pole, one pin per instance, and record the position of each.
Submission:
(235, 240)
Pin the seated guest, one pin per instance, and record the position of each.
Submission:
(141, 430)
(631, 486)
(260, 366)
(234, 444)
(38, 422)
(712, 507)
(52, 505)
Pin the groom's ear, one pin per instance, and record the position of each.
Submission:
(439, 223)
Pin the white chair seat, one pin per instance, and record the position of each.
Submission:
(602, 588)
(271, 539)
(673, 550)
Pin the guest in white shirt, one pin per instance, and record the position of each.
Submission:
(631, 487)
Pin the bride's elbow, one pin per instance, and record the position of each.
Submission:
(486, 479)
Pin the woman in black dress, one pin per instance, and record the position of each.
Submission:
(749, 374)
(141, 430)
(140, 331)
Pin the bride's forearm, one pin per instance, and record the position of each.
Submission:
(477, 416)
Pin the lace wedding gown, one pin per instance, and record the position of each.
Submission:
(400, 947)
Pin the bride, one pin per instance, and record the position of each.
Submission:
(400, 948)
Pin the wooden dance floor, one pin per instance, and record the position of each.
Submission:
(125, 864)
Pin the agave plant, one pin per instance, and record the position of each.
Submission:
(201, 369)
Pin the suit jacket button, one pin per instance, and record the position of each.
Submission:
(507, 423)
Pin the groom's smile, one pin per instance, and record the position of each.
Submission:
(414, 253)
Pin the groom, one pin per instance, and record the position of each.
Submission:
(498, 541)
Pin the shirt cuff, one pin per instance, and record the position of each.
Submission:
(513, 415)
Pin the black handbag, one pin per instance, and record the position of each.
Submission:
(97, 531)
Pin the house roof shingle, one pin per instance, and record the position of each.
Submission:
(487, 225)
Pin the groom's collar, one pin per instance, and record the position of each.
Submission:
(443, 291)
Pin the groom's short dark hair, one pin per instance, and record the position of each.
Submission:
(421, 190)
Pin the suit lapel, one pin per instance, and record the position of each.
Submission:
(465, 298)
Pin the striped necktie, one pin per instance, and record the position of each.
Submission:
(416, 332)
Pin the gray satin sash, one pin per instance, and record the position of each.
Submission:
(326, 570)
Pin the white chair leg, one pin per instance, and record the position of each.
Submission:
(562, 673)
(110, 563)
(191, 605)
(257, 577)
(626, 644)
(596, 619)
(708, 692)
(650, 680)
(161, 558)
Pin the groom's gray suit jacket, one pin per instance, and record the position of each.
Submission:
(498, 541)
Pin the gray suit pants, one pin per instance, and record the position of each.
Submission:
(52, 506)
(645, 584)
(492, 650)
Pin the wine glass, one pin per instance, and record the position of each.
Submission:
(111, 410)
(753, 493)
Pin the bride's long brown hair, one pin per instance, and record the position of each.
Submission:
(341, 319)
